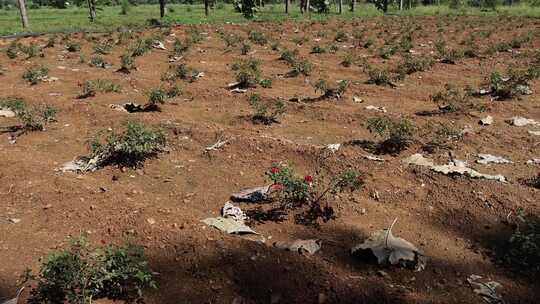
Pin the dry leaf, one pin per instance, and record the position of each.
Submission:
(228, 225)
(487, 290)
(392, 250)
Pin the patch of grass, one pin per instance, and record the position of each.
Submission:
(80, 275)
(12, 50)
(245, 49)
(181, 71)
(130, 148)
(181, 46)
(397, 133)
(341, 36)
(91, 87)
(127, 63)
(35, 74)
(31, 50)
(140, 47)
(98, 62)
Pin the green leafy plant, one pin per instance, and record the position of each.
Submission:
(452, 100)
(31, 50)
(397, 133)
(411, 64)
(380, 77)
(140, 47)
(98, 62)
(330, 90)
(181, 71)
(33, 118)
(130, 148)
(36, 73)
(257, 38)
(524, 244)
(245, 49)
(341, 36)
(91, 87)
(515, 83)
(265, 113)
(289, 56)
(12, 50)
(73, 46)
(180, 47)
(293, 192)
(248, 73)
(80, 275)
(317, 49)
(442, 138)
(103, 47)
(127, 63)
(448, 55)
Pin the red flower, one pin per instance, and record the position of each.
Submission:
(308, 179)
(274, 170)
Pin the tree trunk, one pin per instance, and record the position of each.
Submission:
(206, 7)
(353, 5)
(401, 5)
(92, 10)
(340, 6)
(307, 8)
(161, 8)
(24, 17)
(287, 2)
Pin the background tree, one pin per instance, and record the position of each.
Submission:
(162, 8)
(24, 17)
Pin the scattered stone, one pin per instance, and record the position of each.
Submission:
(488, 158)
(7, 113)
(537, 133)
(519, 121)
(357, 99)
(150, 221)
(14, 220)
(485, 289)
(238, 90)
(374, 158)
(375, 108)
(534, 161)
(300, 246)
(253, 195)
(333, 147)
(486, 121)
(158, 45)
(450, 169)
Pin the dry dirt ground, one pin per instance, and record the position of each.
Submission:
(461, 224)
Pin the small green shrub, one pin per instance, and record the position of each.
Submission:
(160, 95)
(411, 64)
(103, 47)
(317, 49)
(257, 38)
(452, 100)
(289, 56)
(248, 73)
(130, 148)
(91, 87)
(329, 90)
(80, 275)
(31, 50)
(73, 46)
(32, 118)
(397, 134)
(442, 138)
(35, 74)
(300, 67)
(98, 62)
(127, 63)
(180, 47)
(140, 47)
(515, 83)
(341, 36)
(12, 50)
(380, 77)
(448, 55)
(264, 113)
(246, 48)
(524, 244)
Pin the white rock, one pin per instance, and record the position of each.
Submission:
(486, 121)
(519, 121)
